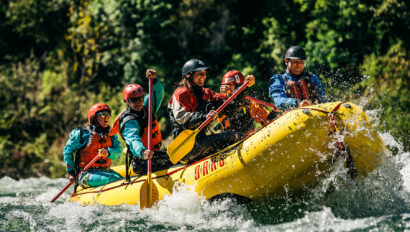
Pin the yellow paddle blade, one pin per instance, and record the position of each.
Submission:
(146, 194)
(181, 145)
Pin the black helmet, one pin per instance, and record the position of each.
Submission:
(296, 53)
(193, 65)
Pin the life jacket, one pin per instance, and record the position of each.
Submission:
(258, 112)
(224, 121)
(241, 121)
(142, 120)
(95, 142)
(302, 89)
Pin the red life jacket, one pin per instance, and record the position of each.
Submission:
(91, 150)
(302, 89)
(142, 120)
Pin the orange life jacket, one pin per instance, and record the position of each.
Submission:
(258, 112)
(302, 89)
(128, 115)
(156, 141)
(250, 112)
(224, 121)
(88, 153)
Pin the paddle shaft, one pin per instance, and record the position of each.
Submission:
(261, 102)
(224, 104)
(149, 189)
(69, 184)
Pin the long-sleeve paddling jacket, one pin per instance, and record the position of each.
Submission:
(131, 130)
(187, 111)
(280, 89)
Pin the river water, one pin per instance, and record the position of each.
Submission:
(378, 202)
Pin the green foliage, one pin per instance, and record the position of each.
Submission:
(31, 27)
(388, 89)
(60, 57)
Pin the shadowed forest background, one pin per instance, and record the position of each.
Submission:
(58, 58)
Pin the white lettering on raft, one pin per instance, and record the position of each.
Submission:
(206, 167)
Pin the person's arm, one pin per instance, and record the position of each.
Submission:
(277, 92)
(115, 150)
(315, 81)
(72, 145)
(157, 95)
(131, 134)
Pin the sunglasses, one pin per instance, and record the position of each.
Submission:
(136, 99)
(104, 115)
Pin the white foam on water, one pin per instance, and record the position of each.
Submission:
(24, 216)
(7, 184)
(405, 171)
(185, 209)
(71, 216)
(402, 159)
(325, 220)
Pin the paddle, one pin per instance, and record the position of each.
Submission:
(69, 184)
(148, 189)
(261, 102)
(185, 141)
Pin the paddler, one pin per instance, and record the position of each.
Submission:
(295, 88)
(191, 104)
(89, 141)
(132, 124)
(240, 114)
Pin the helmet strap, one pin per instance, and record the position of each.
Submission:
(287, 65)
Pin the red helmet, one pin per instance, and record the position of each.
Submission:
(233, 76)
(131, 91)
(97, 108)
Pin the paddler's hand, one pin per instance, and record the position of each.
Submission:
(71, 178)
(147, 154)
(103, 152)
(151, 73)
(305, 103)
(212, 114)
(250, 79)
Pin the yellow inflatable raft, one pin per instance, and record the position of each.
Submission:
(292, 152)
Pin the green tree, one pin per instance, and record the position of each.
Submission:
(387, 88)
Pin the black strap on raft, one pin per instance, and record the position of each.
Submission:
(351, 168)
(342, 150)
(127, 165)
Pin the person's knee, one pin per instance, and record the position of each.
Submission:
(83, 180)
(114, 176)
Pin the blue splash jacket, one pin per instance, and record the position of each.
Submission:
(277, 90)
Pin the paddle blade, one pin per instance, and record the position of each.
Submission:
(144, 198)
(181, 145)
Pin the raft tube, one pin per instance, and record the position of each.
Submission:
(286, 156)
